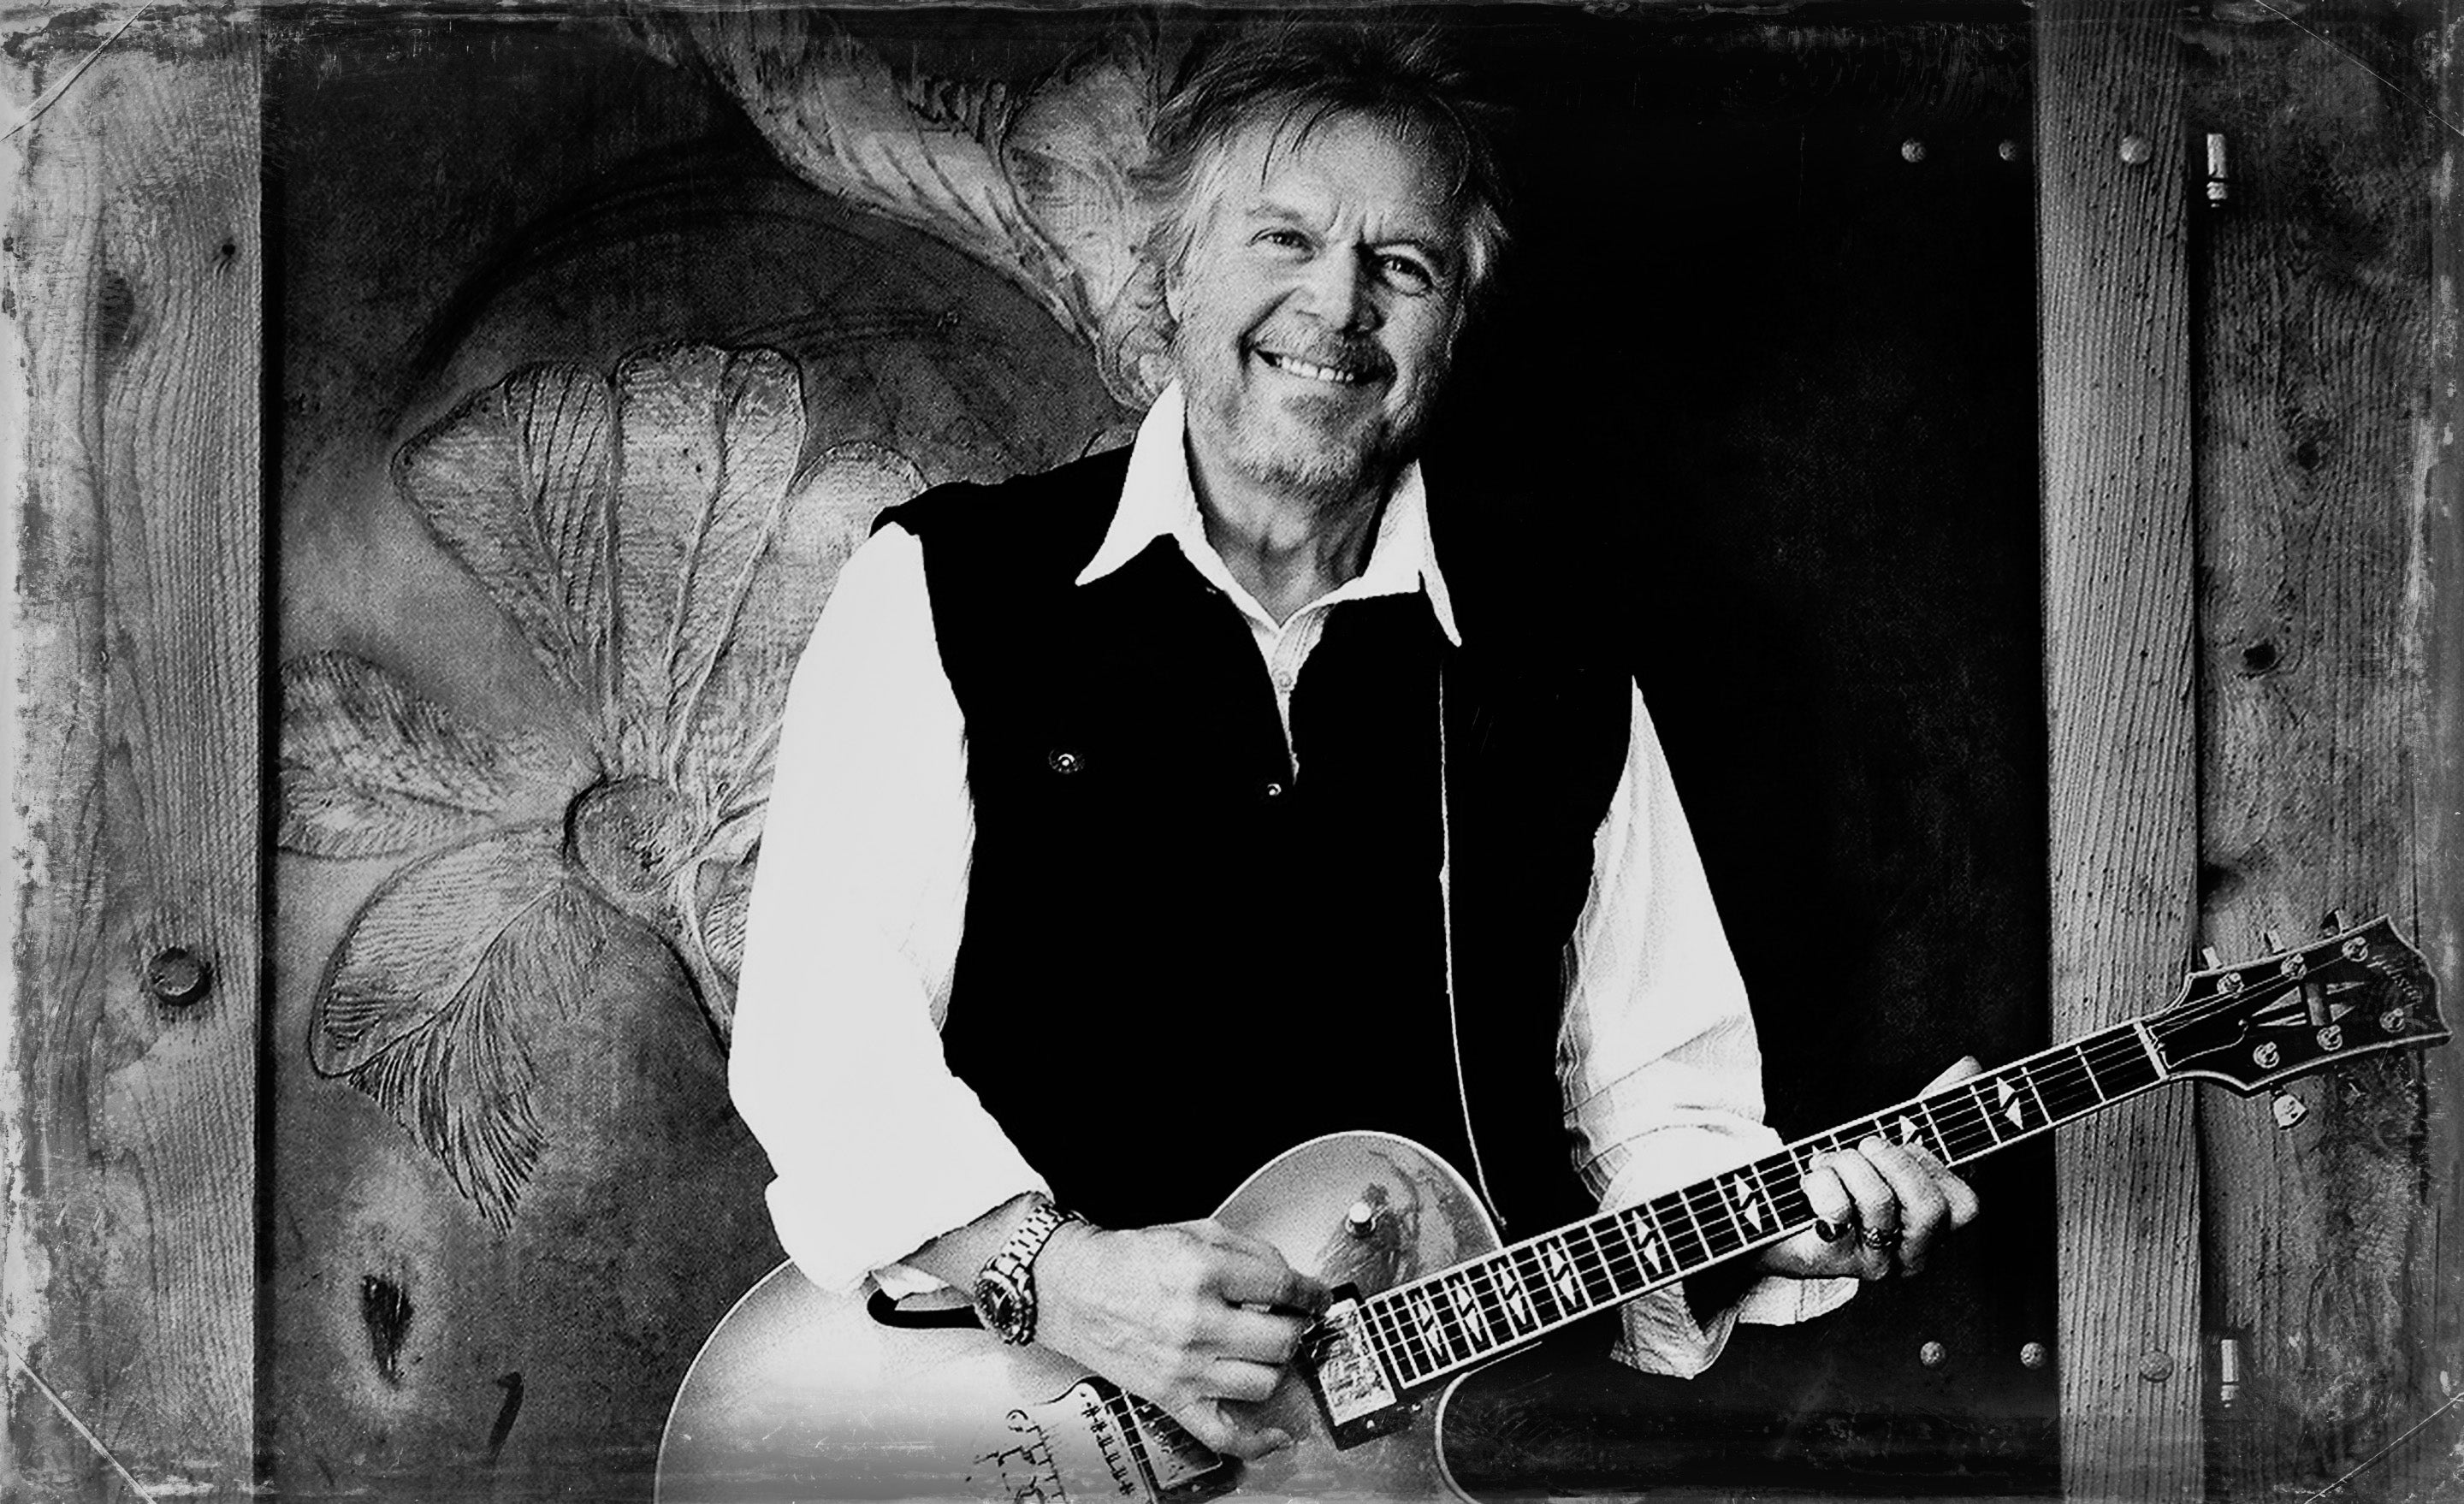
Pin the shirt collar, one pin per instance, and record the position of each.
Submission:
(1159, 501)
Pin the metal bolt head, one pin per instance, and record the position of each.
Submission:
(1912, 150)
(2032, 1354)
(2155, 1367)
(1361, 1220)
(2007, 151)
(2136, 149)
(1931, 1355)
(177, 979)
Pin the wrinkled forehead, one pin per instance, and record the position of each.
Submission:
(1301, 156)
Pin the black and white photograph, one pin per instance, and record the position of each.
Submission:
(1706, 751)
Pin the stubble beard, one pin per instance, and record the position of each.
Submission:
(1279, 449)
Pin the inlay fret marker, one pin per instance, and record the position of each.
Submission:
(1984, 1109)
(1563, 1282)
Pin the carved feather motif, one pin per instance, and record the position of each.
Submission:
(1034, 183)
(664, 546)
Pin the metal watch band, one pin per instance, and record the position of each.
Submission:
(1006, 1290)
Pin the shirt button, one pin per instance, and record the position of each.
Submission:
(1065, 763)
(1274, 790)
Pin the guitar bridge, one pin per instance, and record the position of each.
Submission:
(1359, 1401)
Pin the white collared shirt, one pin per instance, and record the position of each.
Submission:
(856, 917)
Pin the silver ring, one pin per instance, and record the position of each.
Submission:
(1878, 1242)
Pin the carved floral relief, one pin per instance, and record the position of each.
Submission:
(663, 546)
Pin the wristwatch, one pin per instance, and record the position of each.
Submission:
(1005, 1288)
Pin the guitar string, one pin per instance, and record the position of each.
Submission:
(2052, 1075)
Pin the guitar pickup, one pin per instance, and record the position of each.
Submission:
(1353, 1391)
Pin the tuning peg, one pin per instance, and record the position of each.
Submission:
(2289, 1109)
(2336, 922)
(2272, 940)
(2210, 959)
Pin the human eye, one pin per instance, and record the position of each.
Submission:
(1407, 274)
(1282, 238)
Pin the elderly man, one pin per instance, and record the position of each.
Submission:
(1141, 819)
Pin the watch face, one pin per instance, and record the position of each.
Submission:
(999, 1304)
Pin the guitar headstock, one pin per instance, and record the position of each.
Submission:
(2262, 1022)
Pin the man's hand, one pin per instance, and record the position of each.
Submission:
(1884, 1204)
(1166, 1314)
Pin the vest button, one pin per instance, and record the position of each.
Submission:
(1065, 763)
(1274, 790)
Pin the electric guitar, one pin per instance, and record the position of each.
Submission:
(803, 1396)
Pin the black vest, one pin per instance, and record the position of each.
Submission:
(1181, 956)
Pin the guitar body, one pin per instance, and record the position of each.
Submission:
(801, 1395)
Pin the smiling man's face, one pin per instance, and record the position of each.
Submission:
(1316, 307)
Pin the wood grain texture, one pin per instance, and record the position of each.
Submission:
(2432, 1466)
(2117, 633)
(134, 282)
(2314, 429)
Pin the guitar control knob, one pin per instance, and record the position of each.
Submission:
(2289, 1109)
(1361, 1220)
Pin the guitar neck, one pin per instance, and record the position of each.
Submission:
(1430, 1328)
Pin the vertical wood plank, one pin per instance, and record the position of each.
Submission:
(2433, 1467)
(2114, 327)
(2315, 438)
(133, 280)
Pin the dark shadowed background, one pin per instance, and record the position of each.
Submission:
(1760, 391)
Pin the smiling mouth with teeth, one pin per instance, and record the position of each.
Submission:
(1331, 375)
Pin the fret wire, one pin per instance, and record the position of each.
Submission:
(2064, 1075)
(1715, 1248)
(1389, 1340)
(1975, 1092)
(1940, 1145)
(1973, 1137)
(1757, 1199)
(1535, 1283)
(1653, 1238)
(2087, 1062)
(1433, 1294)
(2062, 1083)
(1486, 1318)
(1409, 1341)
(1623, 1254)
(2028, 1077)
(1555, 1243)
(1691, 1227)
(1528, 1321)
(1600, 1256)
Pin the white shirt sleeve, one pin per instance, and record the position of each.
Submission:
(1661, 1073)
(853, 933)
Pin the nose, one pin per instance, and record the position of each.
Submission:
(1340, 293)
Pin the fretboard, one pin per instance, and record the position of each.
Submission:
(1441, 1323)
